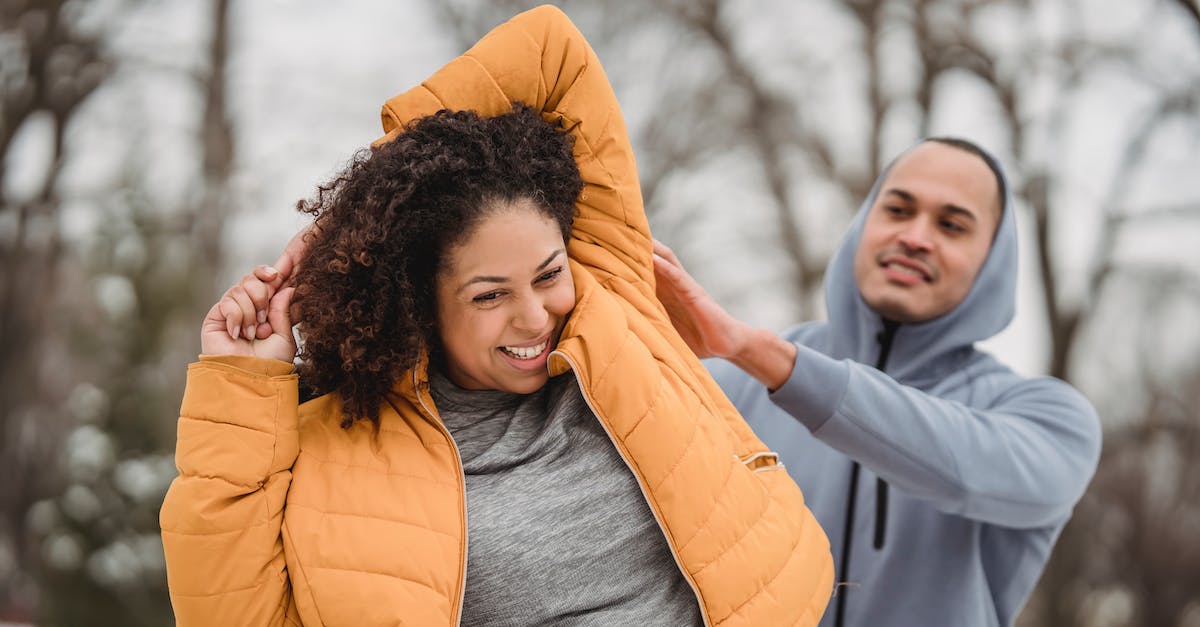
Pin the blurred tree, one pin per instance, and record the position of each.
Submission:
(109, 314)
(51, 67)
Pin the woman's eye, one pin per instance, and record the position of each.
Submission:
(549, 275)
(486, 298)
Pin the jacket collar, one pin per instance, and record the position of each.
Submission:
(589, 346)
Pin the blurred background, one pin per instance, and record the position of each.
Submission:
(153, 151)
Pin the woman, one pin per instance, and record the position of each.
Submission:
(489, 370)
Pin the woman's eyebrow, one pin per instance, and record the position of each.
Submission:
(501, 279)
(549, 259)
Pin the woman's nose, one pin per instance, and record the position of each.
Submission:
(531, 315)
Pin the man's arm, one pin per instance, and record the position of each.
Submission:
(1023, 462)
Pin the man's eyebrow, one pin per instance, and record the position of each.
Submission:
(501, 279)
(905, 196)
(962, 211)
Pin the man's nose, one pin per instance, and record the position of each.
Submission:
(917, 236)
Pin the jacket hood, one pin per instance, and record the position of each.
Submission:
(930, 349)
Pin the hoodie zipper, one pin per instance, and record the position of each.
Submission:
(884, 337)
(881, 487)
(674, 554)
(462, 484)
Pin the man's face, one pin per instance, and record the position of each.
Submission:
(927, 234)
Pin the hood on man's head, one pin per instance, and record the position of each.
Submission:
(986, 310)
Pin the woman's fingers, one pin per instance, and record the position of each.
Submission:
(249, 316)
(231, 313)
(244, 308)
(260, 286)
(268, 275)
(279, 316)
(293, 254)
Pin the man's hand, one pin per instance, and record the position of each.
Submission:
(707, 328)
(710, 331)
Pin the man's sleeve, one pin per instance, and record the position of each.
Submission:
(1021, 463)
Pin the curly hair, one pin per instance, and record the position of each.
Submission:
(366, 293)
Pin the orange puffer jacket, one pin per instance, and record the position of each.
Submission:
(281, 517)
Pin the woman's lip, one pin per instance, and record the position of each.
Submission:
(531, 343)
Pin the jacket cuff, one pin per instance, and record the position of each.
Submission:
(251, 392)
(814, 390)
(252, 365)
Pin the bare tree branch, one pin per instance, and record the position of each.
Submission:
(1181, 212)
(771, 125)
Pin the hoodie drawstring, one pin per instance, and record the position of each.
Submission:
(840, 611)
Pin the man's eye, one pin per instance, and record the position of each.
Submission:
(549, 275)
(896, 211)
(953, 227)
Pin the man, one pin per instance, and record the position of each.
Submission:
(984, 465)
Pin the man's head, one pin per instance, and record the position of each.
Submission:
(929, 230)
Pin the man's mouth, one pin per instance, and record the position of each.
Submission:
(907, 267)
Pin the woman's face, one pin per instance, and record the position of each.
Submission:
(503, 296)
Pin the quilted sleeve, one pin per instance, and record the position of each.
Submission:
(540, 58)
(221, 520)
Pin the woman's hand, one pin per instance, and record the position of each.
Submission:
(293, 254)
(251, 319)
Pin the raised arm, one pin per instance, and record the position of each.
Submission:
(541, 59)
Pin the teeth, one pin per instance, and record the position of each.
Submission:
(527, 352)
(905, 269)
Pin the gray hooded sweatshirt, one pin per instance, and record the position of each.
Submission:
(984, 465)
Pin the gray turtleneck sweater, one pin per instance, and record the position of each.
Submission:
(558, 530)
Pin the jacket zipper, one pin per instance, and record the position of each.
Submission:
(885, 348)
(462, 484)
(674, 555)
